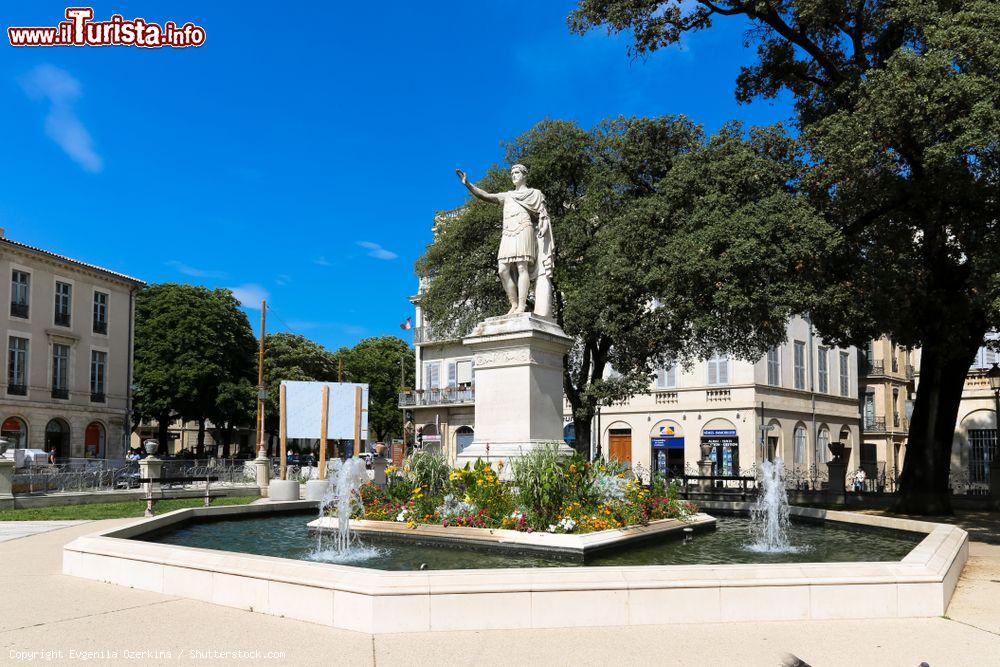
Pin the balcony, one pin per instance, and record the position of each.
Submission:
(62, 319)
(19, 310)
(96, 397)
(17, 389)
(873, 368)
(428, 334)
(60, 393)
(874, 425)
(100, 327)
(443, 396)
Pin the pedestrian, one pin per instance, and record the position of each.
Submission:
(859, 480)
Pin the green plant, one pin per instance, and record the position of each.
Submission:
(428, 470)
(541, 480)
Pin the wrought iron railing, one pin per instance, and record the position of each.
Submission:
(62, 319)
(873, 425)
(100, 327)
(17, 389)
(19, 310)
(97, 397)
(59, 392)
(103, 475)
(444, 395)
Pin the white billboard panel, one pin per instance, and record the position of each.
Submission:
(304, 402)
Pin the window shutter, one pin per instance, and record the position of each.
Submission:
(723, 370)
(451, 374)
(713, 374)
(672, 375)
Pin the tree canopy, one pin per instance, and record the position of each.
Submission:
(898, 109)
(385, 364)
(646, 215)
(189, 342)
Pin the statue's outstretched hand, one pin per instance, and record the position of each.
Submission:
(462, 176)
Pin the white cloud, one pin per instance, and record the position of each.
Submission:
(61, 90)
(283, 279)
(321, 261)
(377, 251)
(250, 295)
(195, 272)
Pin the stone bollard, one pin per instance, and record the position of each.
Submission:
(262, 465)
(6, 482)
(378, 472)
(150, 468)
(838, 478)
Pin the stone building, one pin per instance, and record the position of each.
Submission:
(68, 335)
(886, 377)
(183, 438)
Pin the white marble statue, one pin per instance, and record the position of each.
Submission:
(526, 246)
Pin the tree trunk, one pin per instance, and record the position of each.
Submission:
(162, 434)
(581, 424)
(924, 482)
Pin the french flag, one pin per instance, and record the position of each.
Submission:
(407, 325)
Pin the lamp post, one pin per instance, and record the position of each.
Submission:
(993, 375)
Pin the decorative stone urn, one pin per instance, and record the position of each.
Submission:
(706, 451)
(151, 446)
(3, 447)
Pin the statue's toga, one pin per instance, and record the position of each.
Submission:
(526, 243)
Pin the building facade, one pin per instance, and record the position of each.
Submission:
(183, 438)
(791, 403)
(68, 336)
(886, 378)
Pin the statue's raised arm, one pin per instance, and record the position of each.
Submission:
(478, 192)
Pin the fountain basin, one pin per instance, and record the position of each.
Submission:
(561, 545)
(379, 601)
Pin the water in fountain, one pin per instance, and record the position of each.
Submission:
(344, 482)
(769, 516)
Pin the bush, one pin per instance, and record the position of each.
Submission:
(428, 470)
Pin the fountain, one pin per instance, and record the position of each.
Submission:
(344, 482)
(769, 515)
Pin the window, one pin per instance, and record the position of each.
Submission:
(895, 408)
(432, 375)
(64, 296)
(464, 372)
(20, 288)
(15, 432)
(100, 313)
(869, 410)
(800, 365)
(773, 367)
(718, 369)
(982, 451)
(666, 377)
(60, 371)
(17, 366)
(452, 373)
(822, 446)
(845, 375)
(98, 375)
(799, 452)
(822, 367)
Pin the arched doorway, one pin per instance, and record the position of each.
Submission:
(15, 432)
(93, 440)
(620, 443)
(464, 436)
(429, 438)
(719, 437)
(666, 440)
(57, 438)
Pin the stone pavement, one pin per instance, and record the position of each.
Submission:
(12, 530)
(53, 619)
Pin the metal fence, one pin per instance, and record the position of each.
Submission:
(102, 475)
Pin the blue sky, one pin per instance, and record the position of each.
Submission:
(300, 153)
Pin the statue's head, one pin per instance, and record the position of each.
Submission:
(519, 174)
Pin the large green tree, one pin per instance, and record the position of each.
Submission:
(189, 341)
(898, 109)
(607, 190)
(385, 364)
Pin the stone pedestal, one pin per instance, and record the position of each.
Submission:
(705, 470)
(283, 490)
(994, 480)
(838, 477)
(519, 386)
(6, 480)
(262, 468)
(150, 468)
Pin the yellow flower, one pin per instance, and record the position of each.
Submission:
(390, 469)
(411, 524)
(479, 482)
(572, 468)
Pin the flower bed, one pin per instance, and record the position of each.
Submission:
(546, 492)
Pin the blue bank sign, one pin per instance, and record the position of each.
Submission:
(719, 432)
